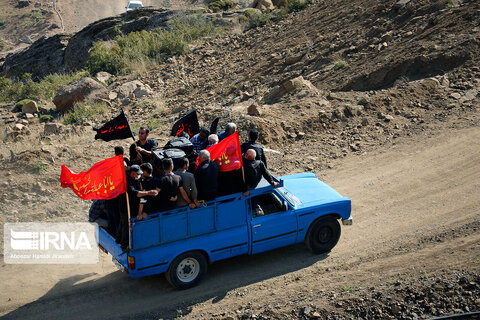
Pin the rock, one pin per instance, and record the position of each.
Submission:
(30, 107)
(293, 59)
(400, 4)
(18, 127)
(456, 95)
(141, 92)
(387, 36)
(112, 95)
(103, 77)
(388, 117)
(29, 116)
(264, 5)
(23, 3)
(52, 128)
(253, 110)
(127, 89)
(431, 82)
(298, 83)
(24, 122)
(353, 110)
(396, 309)
(80, 90)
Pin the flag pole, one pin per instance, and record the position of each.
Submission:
(128, 222)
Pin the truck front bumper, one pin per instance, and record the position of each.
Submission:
(347, 222)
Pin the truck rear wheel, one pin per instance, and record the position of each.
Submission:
(187, 270)
(323, 235)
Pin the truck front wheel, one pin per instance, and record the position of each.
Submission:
(323, 235)
(187, 270)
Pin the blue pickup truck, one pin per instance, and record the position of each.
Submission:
(182, 242)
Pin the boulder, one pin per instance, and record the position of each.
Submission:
(299, 83)
(103, 77)
(127, 90)
(253, 110)
(30, 107)
(353, 110)
(80, 90)
(264, 5)
(18, 127)
(23, 3)
(52, 128)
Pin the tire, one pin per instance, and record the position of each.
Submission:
(187, 270)
(323, 235)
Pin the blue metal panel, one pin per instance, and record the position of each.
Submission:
(148, 227)
(109, 244)
(201, 220)
(173, 227)
(231, 213)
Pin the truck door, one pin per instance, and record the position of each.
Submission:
(272, 224)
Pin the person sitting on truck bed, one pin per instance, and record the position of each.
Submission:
(212, 139)
(148, 182)
(141, 150)
(252, 144)
(206, 177)
(254, 170)
(200, 140)
(230, 129)
(168, 186)
(189, 186)
(134, 194)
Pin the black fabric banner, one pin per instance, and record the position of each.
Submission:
(188, 124)
(117, 128)
(213, 127)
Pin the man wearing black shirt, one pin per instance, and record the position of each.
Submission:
(206, 177)
(168, 186)
(255, 170)
(252, 144)
(141, 150)
(134, 193)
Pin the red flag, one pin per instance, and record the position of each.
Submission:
(227, 153)
(105, 180)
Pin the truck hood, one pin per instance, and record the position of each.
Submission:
(307, 188)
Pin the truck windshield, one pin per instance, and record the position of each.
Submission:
(294, 201)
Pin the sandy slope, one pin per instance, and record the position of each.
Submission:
(413, 203)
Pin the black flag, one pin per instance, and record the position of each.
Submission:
(213, 127)
(188, 124)
(117, 128)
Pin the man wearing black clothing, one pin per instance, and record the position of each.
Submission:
(168, 187)
(134, 193)
(206, 177)
(254, 170)
(252, 144)
(141, 150)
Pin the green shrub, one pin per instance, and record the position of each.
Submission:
(221, 5)
(147, 47)
(41, 166)
(46, 118)
(296, 5)
(26, 88)
(82, 111)
(339, 64)
(257, 19)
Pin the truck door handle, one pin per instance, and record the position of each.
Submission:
(257, 225)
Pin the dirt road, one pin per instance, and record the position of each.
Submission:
(414, 203)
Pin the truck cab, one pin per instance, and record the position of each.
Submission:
(182, 242)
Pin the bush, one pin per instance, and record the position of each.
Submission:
(147, 47)
(221, 5)
(339, 64)
(46, 118)
(83, 111)
(257, 19)
(26, 88)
